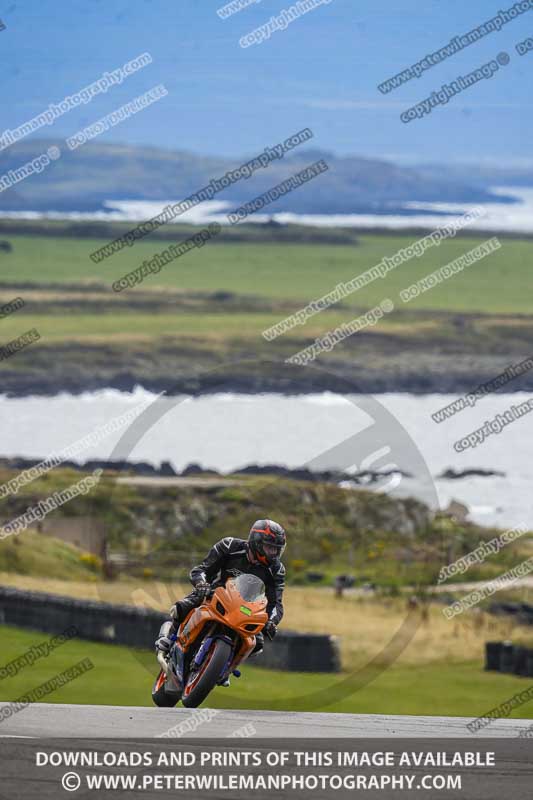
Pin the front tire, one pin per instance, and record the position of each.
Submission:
(160, 696)
(204, 681)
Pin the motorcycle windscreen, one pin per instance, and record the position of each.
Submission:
(250, 587)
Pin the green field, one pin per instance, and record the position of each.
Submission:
(124, 677)
(210, 307)
(501, 283)
(33, 554)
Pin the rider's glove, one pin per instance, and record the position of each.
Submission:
(163, 644)
(270, 629)
(202, 588)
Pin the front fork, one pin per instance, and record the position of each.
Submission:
(211, 636)
(177, 655)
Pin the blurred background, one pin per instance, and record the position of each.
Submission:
(113, 114)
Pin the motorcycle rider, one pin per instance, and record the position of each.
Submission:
(259, 555)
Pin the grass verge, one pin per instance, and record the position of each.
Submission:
(124, 677)
(364, 625)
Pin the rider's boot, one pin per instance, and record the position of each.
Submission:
(163, 642)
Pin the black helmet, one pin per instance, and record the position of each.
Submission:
(267, 541)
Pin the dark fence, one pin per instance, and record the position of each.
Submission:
(137, 627)
(510, 658)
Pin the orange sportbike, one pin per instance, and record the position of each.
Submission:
(211, 642)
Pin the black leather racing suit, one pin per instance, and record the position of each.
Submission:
(232, 554)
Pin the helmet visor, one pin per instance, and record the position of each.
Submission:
(273, 551)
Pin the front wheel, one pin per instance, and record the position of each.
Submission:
(200, 683)
(160, 696)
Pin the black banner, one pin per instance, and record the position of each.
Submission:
(267, 768)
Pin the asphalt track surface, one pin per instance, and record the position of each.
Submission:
(42, 720)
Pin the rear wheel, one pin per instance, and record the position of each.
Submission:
(160, 696)
(200, 683)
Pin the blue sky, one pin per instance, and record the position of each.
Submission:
(321, 72)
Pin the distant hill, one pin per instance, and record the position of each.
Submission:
(482, 175)
(86, 178)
